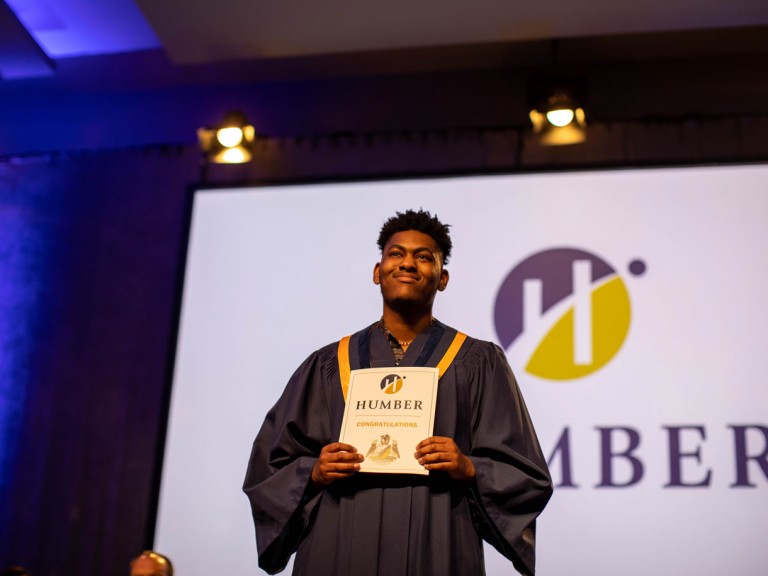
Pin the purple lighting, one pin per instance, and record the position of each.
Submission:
(20, 284)
(69, 28)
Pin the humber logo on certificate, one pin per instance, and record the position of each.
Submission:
(383, 410)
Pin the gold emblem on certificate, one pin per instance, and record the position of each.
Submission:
(388, 408)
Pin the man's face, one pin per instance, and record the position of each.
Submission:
(148, 566)
(411, 270)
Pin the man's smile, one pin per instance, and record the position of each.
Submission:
(406, 278)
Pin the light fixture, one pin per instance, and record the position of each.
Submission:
(229, 143)
(559, 119)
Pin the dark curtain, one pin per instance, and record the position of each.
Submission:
(89, 255)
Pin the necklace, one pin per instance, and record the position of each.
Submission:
(392, 336)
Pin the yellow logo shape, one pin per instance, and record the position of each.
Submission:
(392, 384)
(554, 357)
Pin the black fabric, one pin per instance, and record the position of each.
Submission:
(90, 246)
(382, 524)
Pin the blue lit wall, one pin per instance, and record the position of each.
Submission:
(89, 249)
(23, 263)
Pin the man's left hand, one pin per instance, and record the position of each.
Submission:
(441, 453)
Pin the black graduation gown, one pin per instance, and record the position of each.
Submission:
(397, 525)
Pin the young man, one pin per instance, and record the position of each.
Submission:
(487, 476)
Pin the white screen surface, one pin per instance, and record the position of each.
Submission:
(273, 273)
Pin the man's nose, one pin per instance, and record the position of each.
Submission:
(408, 262)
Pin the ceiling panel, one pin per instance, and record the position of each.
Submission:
(198, 31)
(68, 28)
(20, 56)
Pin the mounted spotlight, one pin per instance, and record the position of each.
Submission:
(229, 143)
(559, 119)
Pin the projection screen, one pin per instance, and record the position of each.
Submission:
(632, 307)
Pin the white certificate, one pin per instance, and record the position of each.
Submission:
(388, 412)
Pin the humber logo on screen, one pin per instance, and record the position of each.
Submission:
(566, 310)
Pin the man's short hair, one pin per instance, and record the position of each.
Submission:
(156, 556)
(421, 221)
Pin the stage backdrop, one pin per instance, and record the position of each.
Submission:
(632, 306)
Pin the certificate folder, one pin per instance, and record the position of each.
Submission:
(388, 412)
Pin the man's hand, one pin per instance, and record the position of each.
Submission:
(441, 453)
(336, 461)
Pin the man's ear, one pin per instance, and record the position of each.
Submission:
(444, 276)
(376, 277)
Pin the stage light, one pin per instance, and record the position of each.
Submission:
(229, 137)
(559, 120)
(229, 143)
(560, 117)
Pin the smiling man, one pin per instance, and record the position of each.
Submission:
(487, 480)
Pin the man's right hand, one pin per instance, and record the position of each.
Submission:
(336, 461)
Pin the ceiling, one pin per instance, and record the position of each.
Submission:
(37, 37)
(99, 74)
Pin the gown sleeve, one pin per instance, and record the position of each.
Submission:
(512, 483)
(277, 480)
